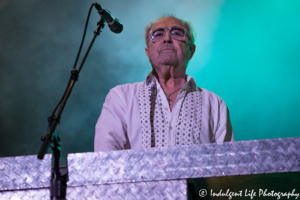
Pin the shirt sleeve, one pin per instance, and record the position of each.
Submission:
(224, 131)
(110, 133)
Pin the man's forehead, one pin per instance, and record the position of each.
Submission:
(166, 22)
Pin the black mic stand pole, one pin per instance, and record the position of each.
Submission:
(58, 182)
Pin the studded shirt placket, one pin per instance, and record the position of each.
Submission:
(172, 117)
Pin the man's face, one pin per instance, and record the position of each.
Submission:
(169, 51)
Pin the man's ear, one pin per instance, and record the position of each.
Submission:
(146, 50)
(192, 51)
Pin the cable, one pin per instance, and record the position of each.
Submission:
(74, 67)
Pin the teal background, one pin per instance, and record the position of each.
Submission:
(247, 53)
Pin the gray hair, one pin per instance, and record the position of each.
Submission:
(185, 23)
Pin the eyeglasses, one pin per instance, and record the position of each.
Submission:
(177, 32)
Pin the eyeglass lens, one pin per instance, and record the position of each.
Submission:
(176, 32)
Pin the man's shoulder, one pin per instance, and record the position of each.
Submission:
(126, 89)
(127, 86)
(209, 95)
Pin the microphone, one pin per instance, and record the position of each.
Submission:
(113, 23)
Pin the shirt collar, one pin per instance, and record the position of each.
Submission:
(189, 85)
(150, 78)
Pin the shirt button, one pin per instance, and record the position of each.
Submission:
(170, 127)
(158, 90)
(166, 108)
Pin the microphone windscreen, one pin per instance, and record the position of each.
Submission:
(117, 27)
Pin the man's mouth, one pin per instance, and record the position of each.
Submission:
(167, 49)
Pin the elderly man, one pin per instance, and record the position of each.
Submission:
(167, 109)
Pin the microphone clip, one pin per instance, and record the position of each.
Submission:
(113, 23)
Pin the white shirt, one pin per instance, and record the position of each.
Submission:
(119, 125)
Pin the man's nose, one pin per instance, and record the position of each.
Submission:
(167, 38)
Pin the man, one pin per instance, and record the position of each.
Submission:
(168, 108)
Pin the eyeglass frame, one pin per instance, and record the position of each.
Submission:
(150, 32)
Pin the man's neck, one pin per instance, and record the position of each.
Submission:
(170, 81)
(169, 78)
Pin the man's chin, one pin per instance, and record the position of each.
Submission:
(173, 64)
(169, 60)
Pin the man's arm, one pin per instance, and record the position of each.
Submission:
(111, 127)
(224, 131)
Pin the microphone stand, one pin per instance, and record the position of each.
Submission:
(58, 182)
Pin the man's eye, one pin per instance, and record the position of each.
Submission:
(177, 32)
(158, 33)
